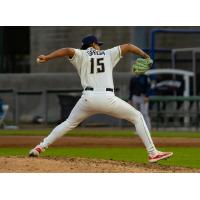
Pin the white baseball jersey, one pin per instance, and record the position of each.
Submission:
(95, 67)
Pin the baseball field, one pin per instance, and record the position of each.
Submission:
(98, 150)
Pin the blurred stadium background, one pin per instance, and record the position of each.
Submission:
(45, 94)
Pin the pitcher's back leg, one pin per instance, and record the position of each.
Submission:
(123, 110)
(79, 113)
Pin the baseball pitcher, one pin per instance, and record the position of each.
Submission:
(95, 67)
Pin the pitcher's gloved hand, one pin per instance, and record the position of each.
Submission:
(142, 65)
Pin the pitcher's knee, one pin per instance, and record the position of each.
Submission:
(136, 117)
(140, 115)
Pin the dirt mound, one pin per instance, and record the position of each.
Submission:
(25, 164)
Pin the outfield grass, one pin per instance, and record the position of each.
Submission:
(103, 133)
(184, 157)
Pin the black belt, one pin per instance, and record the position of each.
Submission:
(107, 89)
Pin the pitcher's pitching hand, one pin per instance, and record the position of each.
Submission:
(41, 59)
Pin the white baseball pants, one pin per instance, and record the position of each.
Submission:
(92, 103)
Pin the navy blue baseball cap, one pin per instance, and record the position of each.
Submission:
(88, 40)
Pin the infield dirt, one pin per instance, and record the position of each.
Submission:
(81, 165)
(31, 141)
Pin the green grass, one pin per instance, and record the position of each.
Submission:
(184, 157)
(103, 133)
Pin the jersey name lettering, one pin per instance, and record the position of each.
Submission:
(91, 52)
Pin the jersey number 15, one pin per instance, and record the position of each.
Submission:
(99, 63)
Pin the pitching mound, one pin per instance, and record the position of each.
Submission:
(25, 164)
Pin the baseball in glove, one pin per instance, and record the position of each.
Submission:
(142, 65)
